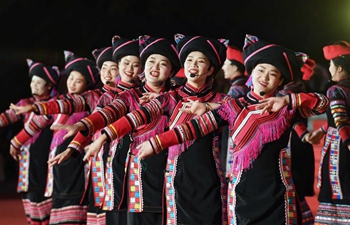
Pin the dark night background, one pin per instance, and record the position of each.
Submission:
(41, 30)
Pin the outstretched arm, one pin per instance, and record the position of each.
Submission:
(10, 116)
(65, 104)
(77, 144)
(63, 156)
(315, 136)
(32, 127)
(308, 104)
(72, 129)
(95, 147)
(198, 108)
(23, 109)
(147, 113)
(190, 130)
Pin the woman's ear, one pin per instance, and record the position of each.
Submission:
(339, 69)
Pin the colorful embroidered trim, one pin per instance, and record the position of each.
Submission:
(135, 186)
(290, 195)
(332, 140)
(170, 172)
(23, 177)
(220, 172)
(49, 179)
(97, 179)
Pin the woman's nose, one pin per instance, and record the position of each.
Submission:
(265, 76)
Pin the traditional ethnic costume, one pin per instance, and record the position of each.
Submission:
(238, 88)
(195, 191)
(34, 150)
(66, 181)
(302, 156)
(302, 168)
(128, 187)
(87, 101)
(261, 189)
(334, 170)
(97, 214)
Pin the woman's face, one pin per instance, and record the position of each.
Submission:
(39, 86)
(129, 68)
(333, 69)
(157, 68)
(198, 64)
(109, 72)
(76, 83)
(266, 78)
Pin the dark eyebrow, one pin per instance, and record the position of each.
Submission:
(271, 70)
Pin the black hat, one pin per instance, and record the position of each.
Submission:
(49, 74)
(123, 47)
(288, 62)
(101, 55)
(85, 66)
(214, 50)
(152, 45)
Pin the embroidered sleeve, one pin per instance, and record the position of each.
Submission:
(19, 140)
(195, 128)
(301, 129)
(32, 127)
(9, 116)
(340, 111)
(309, 104)
(79, 142)
(141, 116)
(79, 103)
(103, 116)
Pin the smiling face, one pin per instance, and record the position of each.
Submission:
(157, 69)
(266, 78)
(76, 83)
(109, 72)
(39, 86)
(129, 68)
(198, 64)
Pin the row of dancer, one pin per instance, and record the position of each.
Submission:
(260, 187)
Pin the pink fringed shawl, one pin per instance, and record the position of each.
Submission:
(250, 131)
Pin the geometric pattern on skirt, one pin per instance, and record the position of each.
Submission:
(37, 213)
(75, 214)
(329, 213)
(96, 219)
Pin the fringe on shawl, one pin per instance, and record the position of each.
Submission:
(228, 113)
(157, 128)
(165, 102)
(57, 138)
(268, 132)
(178, 149)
